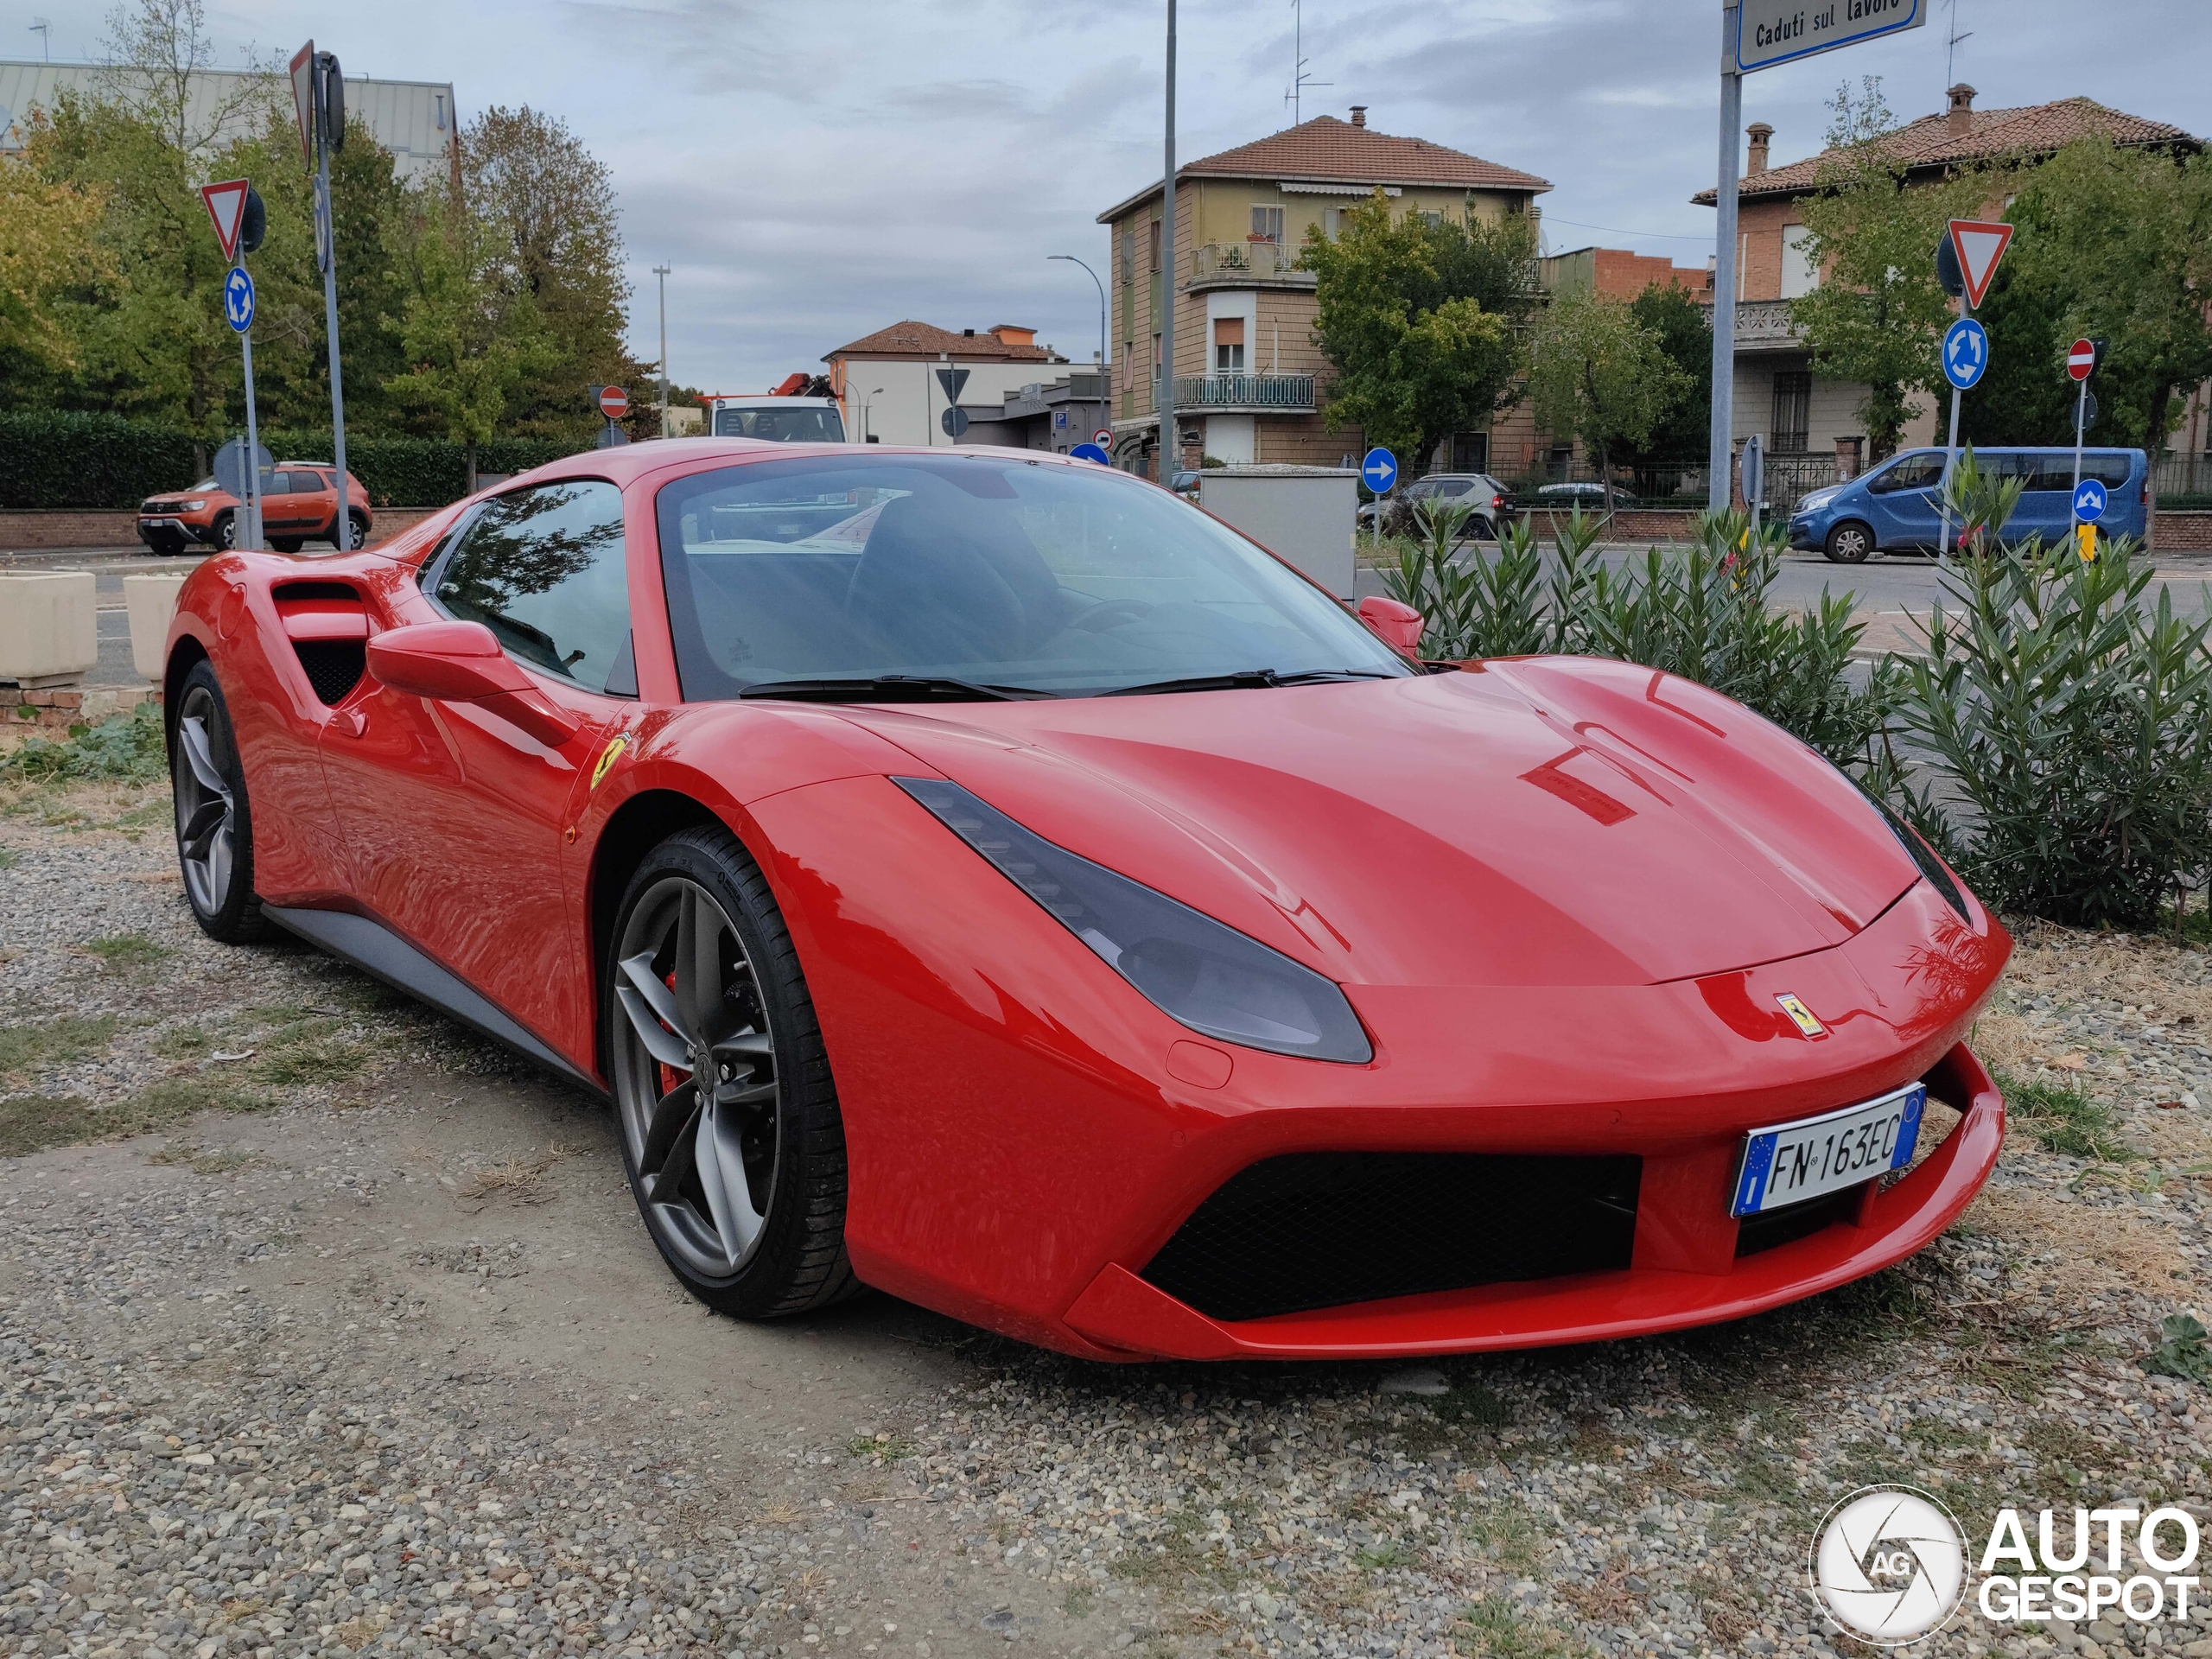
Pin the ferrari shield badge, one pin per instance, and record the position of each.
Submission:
(612, 752)
(1800, 1016)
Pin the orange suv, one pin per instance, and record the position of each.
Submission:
(300, 506)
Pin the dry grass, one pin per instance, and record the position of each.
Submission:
(2122, 1251)
(515, 1180)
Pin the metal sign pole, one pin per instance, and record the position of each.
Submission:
(253, 541)
(1723, 434)
(2080, 420)
(342, 530)
(1171, 458)
(1950, 460)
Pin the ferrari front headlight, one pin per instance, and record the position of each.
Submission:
(1192, 969)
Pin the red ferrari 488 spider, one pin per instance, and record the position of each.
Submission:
(986, 877)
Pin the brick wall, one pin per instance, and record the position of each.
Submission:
(27, 529)
(2182, 532)
(52, 713)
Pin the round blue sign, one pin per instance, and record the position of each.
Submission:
(1379, 471)
(237, 299)
(1091, 452)
(2089, 501)
(1965, 352)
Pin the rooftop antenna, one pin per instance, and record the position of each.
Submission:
(1299, 81)
(1951, 49)
(43, 29)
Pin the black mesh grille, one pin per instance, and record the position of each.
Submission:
(333, 666)
(1793, 1222)
(1328, 1228)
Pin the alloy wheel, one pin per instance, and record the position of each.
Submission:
(696, 1078)
(205, 813)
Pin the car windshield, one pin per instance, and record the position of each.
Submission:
(780, 425)
(1064, 580)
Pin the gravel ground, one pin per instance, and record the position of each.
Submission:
(323, 1328)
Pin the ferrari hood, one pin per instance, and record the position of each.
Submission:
(1555, 821)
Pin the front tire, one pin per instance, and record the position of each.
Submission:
(287, 543)
(1850, 542)
(226, 532)
(731, 1132)
(214, 823)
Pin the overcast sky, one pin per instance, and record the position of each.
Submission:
(816, 171)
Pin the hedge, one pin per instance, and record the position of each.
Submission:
(63, 458)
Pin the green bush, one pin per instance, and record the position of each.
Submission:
(131, 747)
(1702, 614)
(65, 458)
(69, 458)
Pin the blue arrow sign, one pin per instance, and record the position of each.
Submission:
(2089, 501)
(1379, 470)
(1965, 352)
(1091, 452)
(237, 299)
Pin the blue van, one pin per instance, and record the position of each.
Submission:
(1894, 505)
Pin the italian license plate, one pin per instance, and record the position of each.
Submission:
(1792, 1162)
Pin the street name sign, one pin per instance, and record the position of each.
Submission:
(1379, 471)
(1769, 33)
(226, 207)
(1090, 452)
(1965, 352)
(2080, 359)
(237, 300)
(1980, 243)
(613, 402)
(2089, 500)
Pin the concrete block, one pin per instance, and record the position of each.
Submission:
(48, 633)
(151, 602)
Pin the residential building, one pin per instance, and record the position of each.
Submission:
(888, 383)
(1052, 416)
(1794, 412)
(1618, 274)
(415, 120)
(1250, 381)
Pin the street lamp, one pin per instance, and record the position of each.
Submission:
(866, 403)
(661, 271)
(1093, 274)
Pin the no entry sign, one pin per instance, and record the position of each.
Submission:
(2080, 359)
(613, 402)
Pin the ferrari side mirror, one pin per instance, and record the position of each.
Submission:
(1395, 624)
(462, 661)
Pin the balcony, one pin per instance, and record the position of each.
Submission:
(1245, 394)
(1764, 326)
(1228, 264)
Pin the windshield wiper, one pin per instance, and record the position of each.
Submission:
(1246, 679)
(892, 688)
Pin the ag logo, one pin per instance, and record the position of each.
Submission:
(608, 756)
(1890, 1564)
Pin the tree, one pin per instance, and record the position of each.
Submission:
(2112, 244)
(551, 232)
(1879, 314)
(1420, 321)
(1598, 372)
(468, 343)
(1684, 331)
(47, 244)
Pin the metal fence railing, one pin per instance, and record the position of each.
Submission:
(1245, 392)
(1681, 485)
(2182, 481)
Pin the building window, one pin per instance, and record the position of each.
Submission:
(1267, 225)
(1800, 275)
(439, 99)
(1434, 221)
(1155, 359)
(1332, 222)
(1128, 365)
(1155, 246)
(1793, 411)
(1229, 344)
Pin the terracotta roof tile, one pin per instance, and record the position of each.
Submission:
(1928, 143)
(923, 339)
(1330, 151)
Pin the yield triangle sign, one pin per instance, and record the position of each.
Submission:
(226, 206)
(1980, 244)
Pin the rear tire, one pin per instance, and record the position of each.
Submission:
(741, 1181)
(214, 823)
(1850, 542)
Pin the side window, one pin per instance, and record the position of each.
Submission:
(1918, 472)
(542, 569)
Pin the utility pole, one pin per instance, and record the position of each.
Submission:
(319, 91)
(1171, 457)
(661, 271)
(1721, 440)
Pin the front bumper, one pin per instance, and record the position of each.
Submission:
(1803, 534)
(1023, 1143)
